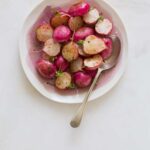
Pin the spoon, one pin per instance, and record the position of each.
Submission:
(107, 64)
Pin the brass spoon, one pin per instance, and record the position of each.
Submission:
(108, 64)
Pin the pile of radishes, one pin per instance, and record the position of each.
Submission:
(75, 43)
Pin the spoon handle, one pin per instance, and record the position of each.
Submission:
(75, 122)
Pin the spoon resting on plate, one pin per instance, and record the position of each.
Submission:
(107, 64)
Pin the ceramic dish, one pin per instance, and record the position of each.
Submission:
(107, 81)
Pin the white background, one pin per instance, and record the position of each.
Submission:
(118, 121)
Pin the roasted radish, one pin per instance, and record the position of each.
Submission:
(104, 26)
(82, 53)
(82, 33)
(79, 9)
(108, 51)
(62, 34)
(61, 63)
(51, 47)
(82, 80)
(75, 23)
(93, 63)
(76, 65)
(93, 45)
(58, 19)
(46, 69)
(70, 51)
(44, 32)
(63, 81)
(92, 16)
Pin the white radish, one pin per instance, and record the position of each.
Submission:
(93, 45)
(63, 81)
(51, 47)
(76, 65)
(104, 27)
(70, 51)
(93, 63)
(92, 16)
(44, 32)
(82, 53)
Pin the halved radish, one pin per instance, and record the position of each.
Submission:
(82, 33)
(70, 51)
(82, 53)
(92, 16)
(104, 27)
(79, 9)
(44, 32)
(93, 45)
(76, 65)
(51, 47)
(63, 81)
(62, 34)
(93, 63)
(58, 19)
(108, 51)
(75, 23)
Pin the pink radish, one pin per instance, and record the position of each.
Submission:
(62, 34)
(104, 27)
(70, 51)
(93, 63)
(92, 16)
(63, 81)
(82, 33)
(46, 69)
(58, 19)
(108, 51)
(82, 80)
(79, 9)
(51, 47)
(44, 32)
(92, 73)
(61, 63)
(76, 65)
(93, 45)
(75, 23)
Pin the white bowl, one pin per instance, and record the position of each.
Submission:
(107, 81)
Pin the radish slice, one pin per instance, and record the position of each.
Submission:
(44, 32)
(82, 33)
(75, 23)
(70, 51)
(79, 9)
(63, 81)
(51, 47)
(76, 65)
(92, 16)
(93, 45)
(104, 27)
(93, 62)
(62, 34)
(108, 51)
(59, 19)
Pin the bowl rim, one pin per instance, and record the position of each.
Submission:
(107, 88)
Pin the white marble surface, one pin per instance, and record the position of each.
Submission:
(119, 121)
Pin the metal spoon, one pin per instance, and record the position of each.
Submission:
(108, 64)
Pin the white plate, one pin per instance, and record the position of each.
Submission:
(107, 81)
